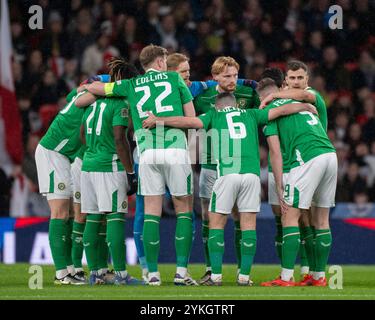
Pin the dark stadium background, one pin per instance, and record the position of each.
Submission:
(48, 63)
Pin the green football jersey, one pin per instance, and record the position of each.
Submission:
(98, 121)
(246, 97)
(322, 112)
(302, 136)
(81, 152)
(71, 95)
(320, 107)
(163, 94)
(235, 138)
(63, 135)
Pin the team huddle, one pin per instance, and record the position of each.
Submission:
(86, 156)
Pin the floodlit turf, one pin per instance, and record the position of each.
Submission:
(358, 284)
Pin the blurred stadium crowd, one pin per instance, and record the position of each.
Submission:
(80, 36)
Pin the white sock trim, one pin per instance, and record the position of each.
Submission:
(71, 270)
(243, 277)
(216, 277)
(61, 273)
(287, 274)
(182, 271)
(304, 270)
(154, 274)
(318, 275)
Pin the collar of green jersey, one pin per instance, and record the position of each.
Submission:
(152, 70)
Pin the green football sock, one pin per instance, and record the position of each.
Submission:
(291, 244)
(77, 244)
(103, 251)
(313, 245)
(279, 237)
(151, 241)
(248, 249)
(116, 240)
(57, 238)
(205, 232)
(237, 242)
(322, 249)
(216, 249)
(68, 241)
(308, 238)
(302, 253)
(90, 240)
(183, 238)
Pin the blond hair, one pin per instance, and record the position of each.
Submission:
(221, 63)
(150, 53)
(175, 59)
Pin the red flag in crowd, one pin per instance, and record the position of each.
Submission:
(8, 102)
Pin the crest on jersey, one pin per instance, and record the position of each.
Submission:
(77, 195)
(124, 113)
(241, 103)
(61, 186)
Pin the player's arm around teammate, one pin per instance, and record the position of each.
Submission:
(196, 122)
(295, 94)
(296, 87)
(161, 92)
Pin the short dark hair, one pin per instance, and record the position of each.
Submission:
(276, 74)
(295, 65)
(226, 98)
(265, 83)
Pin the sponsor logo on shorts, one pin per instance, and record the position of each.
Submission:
(124, 205)
(77, 195)
(61, 186)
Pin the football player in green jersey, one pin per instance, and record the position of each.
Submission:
(297, 88)
(163, 153)
(311, 158)
(107, 177)
(54, 155)
(225, 71)
(80, 217)
(238, 166)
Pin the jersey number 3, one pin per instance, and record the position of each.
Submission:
(313, 121)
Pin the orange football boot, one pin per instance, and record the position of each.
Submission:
(306, 280)
(278, 283)
(322, 282)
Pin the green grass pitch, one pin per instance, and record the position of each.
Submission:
(358, 284)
